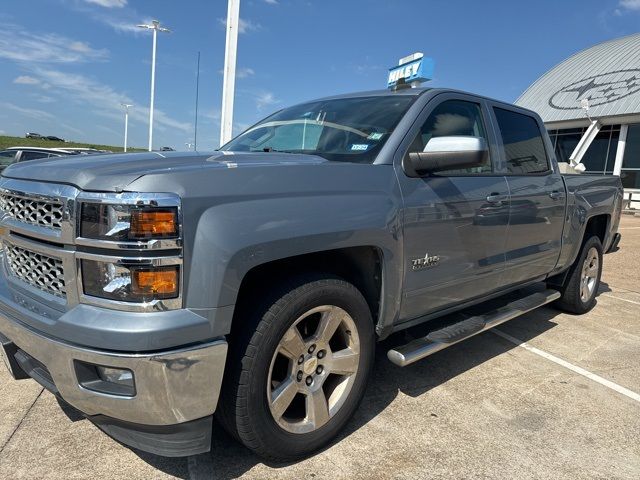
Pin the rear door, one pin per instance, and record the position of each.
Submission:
(538, 197)
(453, 235)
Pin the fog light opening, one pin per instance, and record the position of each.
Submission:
(107, 380)
(116, 375)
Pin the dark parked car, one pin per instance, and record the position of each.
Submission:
(54, 139)
(22, 154)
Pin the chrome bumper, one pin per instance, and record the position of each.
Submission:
(172, 387)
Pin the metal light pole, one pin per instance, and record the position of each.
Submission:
(228, 85)
(195, 128)
(126, 123)
(155, 26)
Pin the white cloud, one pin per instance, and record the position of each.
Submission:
(244, 72)
(20, 45)
(80, 47)
(265, 99)
(27, 112)
(122, 19)
(212, 115)
(241, 72)
(123, 27)
(108, 3)
(26, 80)
(2, 132)
(630, 4)
(71, 129)
(244, 26)
(271, 2)
(43, 98)
(109, 130)
(104, 99)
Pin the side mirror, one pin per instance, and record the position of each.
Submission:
(447, 153)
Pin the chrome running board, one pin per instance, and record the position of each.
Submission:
(445, 337)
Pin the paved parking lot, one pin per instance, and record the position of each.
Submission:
(564, 405)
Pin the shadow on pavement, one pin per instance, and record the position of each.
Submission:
(228, 459)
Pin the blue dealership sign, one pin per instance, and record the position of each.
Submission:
(419, 70)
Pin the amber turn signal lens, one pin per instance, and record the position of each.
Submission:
(153, 223)
(161, 282)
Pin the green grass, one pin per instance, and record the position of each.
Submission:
(6, 142)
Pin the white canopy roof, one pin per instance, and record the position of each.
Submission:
(607, 75)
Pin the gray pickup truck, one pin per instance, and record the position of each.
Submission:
(155, 291)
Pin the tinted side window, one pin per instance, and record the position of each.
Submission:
(33, 155)
(523, 144)
(453, 118)
(7, 157)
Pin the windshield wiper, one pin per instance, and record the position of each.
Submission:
(270, 149)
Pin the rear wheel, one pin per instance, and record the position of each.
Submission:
(583, 280)
(296, 380)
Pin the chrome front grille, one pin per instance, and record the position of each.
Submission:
(36, 269)
(46, 213)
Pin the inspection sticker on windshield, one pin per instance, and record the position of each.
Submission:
(361, 147)
(375, 136)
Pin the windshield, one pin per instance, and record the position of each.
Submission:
(344, 130)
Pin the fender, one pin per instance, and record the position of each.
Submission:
(236, 219)
(590, 200)
(232, 239)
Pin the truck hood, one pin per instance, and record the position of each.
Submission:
(110, 173)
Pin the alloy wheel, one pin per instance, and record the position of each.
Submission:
(589, 277)
(313, 369)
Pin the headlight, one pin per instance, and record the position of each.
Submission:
(130, 283)
(100, 221)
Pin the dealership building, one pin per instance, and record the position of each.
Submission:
(590, 104)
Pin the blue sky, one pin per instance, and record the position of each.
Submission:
(66, 65)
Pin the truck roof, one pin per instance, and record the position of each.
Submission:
(417, 92)
(414, 92)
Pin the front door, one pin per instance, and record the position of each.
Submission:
(454, 222)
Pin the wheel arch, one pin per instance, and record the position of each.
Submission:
(597, 225)
(362, 266)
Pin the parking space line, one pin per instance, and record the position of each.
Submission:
(619, 298)
(574, 368)
(21, 420)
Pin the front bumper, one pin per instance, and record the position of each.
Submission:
(172, 387)
(179, 386)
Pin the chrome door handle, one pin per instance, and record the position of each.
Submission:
(556, 195)
(496, 198)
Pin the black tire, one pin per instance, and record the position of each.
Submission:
(244, 407)
(571, 300)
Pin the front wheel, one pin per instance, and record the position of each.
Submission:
(298, 378)
(583, 280)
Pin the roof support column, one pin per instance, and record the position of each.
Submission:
(584, 144)
(622, 141)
